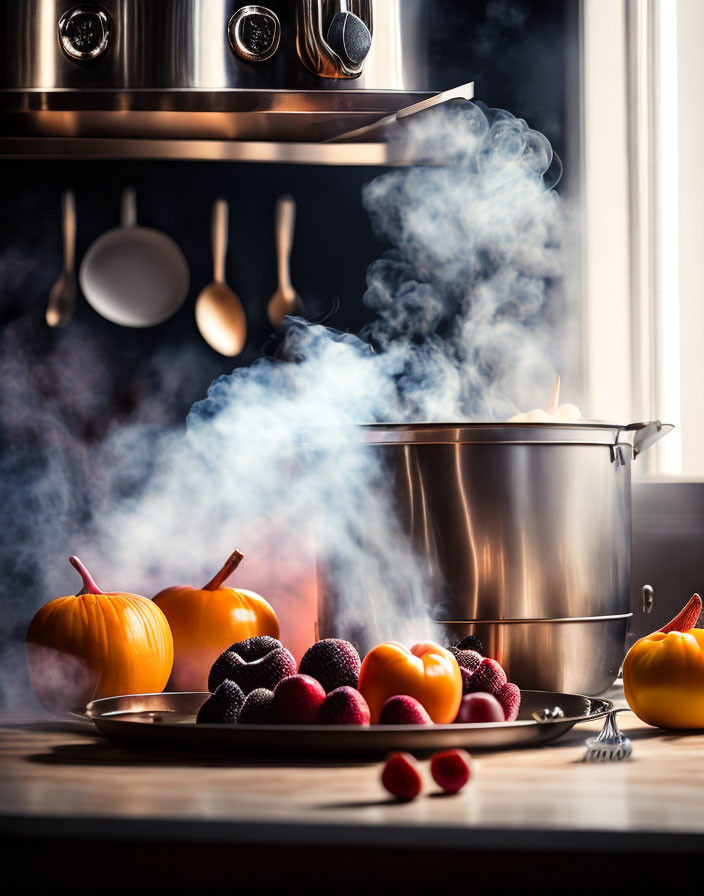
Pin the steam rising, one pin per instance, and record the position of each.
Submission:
(464, 305)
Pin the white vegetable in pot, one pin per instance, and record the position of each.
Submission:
(552, 413)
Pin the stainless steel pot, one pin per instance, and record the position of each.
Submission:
(525, 530)
(582, 655)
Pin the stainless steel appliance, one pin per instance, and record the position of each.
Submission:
(525, 533)
(206, 78)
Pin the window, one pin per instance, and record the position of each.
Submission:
(643, 226)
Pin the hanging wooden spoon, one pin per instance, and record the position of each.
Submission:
(285, 300)
(219, 313)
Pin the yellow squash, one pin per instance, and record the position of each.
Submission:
(663, 673)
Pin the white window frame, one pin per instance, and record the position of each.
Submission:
(642, 201)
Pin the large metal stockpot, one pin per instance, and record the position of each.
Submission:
(525, 531)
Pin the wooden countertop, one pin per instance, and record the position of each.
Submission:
(62, 780)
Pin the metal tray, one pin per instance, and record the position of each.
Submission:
(167, 721)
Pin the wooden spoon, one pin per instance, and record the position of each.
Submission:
(219, 313)
(62, 298)
(285, 300)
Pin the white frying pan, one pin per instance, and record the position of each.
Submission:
(134, 276)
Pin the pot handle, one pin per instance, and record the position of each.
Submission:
(648, 598)
(646, 434)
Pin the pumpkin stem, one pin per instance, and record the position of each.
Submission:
(231, 564)
(686, 618)
(89, 586)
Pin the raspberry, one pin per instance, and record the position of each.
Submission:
(256, 709)
(480, 707)
(466, 659)
(403, 710)
(265, 672)
(488, 677)
(297, 700)
(223, 705)
(509, 697)
(332, 662)
(471, 642)
(344, 706)
(401, 776)
(450, 769)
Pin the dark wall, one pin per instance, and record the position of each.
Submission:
(515, 50)
(518, 54)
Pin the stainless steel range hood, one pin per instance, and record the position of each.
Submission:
(209, 79)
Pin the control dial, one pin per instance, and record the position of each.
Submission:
(254, 33)
(84, 31)
(350, 38)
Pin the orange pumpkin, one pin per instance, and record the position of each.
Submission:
(96, 644)
(206, 621)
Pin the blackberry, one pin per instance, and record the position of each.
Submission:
(332, 662)
(254, 648)
(265, 672)
(256, 709)
(471, 642)
(223, 705)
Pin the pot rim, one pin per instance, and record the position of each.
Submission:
(535, 620)
(638, 436)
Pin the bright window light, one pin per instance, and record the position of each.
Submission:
(668, 286)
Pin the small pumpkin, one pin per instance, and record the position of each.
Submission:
(96, 644)
(206, 621)
(663, 673)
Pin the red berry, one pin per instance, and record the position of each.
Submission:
(466, 680)
(467, 659)
(488, 677)
(450, 769)
(403, 710)
(344, 706)
(297, 700)
(401, 776)
(510, 699)
(480, 707)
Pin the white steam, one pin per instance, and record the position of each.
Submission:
(468, 305)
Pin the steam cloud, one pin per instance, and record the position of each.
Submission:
(468, 306)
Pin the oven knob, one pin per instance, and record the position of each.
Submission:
(350, 38)
(84, 31)
(254, 33)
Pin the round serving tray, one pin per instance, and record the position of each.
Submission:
(167, 720)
